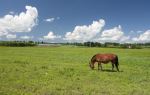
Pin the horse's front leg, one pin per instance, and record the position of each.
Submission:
(99, 66)
(112, 66)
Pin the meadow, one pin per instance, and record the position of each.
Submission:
(65, 70)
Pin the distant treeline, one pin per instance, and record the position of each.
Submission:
(112, 45)
(17, 43)
(85, 44)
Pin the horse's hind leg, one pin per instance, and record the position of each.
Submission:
(117, 67)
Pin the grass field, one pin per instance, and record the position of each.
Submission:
(65, 71)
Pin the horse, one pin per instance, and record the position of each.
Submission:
(104, 58)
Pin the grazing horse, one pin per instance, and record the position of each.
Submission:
(104, 58)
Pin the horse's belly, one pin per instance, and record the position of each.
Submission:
(105, 62)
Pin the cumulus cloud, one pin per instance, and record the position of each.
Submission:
(11, 36)
(94, 32)
(84, 32)
(125, 39)
(113, 34)
(26, 37)
(24, 22)
(3, 32)
(51, 36)
(144, 37)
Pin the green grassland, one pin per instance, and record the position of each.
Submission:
(65, 71)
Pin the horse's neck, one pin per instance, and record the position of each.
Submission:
(93, 61)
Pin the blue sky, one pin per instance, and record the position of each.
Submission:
(129, 19)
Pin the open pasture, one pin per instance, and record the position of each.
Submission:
(65, 71)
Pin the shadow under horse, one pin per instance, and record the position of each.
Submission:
(104, 58)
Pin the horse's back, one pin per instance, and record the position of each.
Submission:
(105, 57)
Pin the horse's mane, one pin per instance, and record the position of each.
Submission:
(93, 57)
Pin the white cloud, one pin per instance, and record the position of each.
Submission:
(51, 36)
(3, 32)
(49, 19)
(113, 34)
(11, 12)
(145, 37)
(125, 39)
(84, 32)
(26, 37)
(24, 22)
(40, 38)
(139, 31)
(11, 36)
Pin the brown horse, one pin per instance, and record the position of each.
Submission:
(104, 58)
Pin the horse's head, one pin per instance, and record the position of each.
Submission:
(91, 65)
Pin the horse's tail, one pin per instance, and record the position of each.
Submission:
(117, 62)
